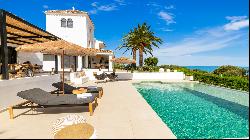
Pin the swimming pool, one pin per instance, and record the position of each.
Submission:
(193, 110)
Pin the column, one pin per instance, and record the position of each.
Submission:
(4, 47)
(79, 63)
(110, 63)
(59, 63)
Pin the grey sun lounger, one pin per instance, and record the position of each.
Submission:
(68, 89)
(44, 99)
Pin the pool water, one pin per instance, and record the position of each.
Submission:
(193, 110)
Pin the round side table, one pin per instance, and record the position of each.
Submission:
(77, 131)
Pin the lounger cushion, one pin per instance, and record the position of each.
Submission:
(42, 97)
(68, 88)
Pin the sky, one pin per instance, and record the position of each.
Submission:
(194, 32)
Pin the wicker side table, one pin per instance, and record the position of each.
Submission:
(76, 131)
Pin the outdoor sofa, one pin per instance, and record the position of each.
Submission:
(38, 98)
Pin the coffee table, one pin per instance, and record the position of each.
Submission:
(76, 131)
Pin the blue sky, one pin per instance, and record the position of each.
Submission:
(195, 32)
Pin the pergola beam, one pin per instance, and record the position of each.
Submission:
(27, 31)
(17, 43)
(25, 37)
(18, 40)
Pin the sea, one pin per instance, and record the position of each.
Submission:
(207, 68)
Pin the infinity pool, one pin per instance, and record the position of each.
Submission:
(193, 110)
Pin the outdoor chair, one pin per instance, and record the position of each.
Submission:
(112, 76)
(102, 76)
(38, 98)
(68, 89)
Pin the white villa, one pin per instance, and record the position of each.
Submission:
(76, 27)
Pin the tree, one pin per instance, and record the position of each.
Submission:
(230, 71)
(129, 43)
(146, 40)
(140, 38)
(151, 61)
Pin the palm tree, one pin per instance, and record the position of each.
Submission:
(146, 40)
(142, 39)
(128, 42)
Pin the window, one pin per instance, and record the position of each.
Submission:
(70, 61)
(70, 23)
(48, 57)
(63, 22)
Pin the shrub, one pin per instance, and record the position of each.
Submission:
(151, 61)
(230, 71)
(148, 69)
(119, 66)
(233, 82)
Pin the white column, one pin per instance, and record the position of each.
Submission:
(59, 63)
(110, 63)
(79, 63)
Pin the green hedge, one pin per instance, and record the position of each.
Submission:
(148, 69)
(238, 83)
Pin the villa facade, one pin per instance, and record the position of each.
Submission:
(76, 27)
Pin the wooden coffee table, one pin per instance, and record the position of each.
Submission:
(76, 131)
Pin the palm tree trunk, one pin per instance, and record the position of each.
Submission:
(134, 53)
(134, 56)
(141, 56)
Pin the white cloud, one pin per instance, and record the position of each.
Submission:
(45, 6)
(169, 7)
(110, 7)
(187, 51)
(237, 25)
(197, 45)
(166, 29)
(94, 4)
(168, 17)
(153, 4)
(107, 7)
(120, 2)
(236, 18)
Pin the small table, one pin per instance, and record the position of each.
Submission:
(79, 91)
(76, 131)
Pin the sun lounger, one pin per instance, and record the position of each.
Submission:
(68, 89)
(43, 99)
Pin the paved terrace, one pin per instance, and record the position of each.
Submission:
(122, 113)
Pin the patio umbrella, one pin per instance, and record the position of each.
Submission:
(59, 47)
(123, 60)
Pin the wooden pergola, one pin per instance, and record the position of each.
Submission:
(15, 31)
